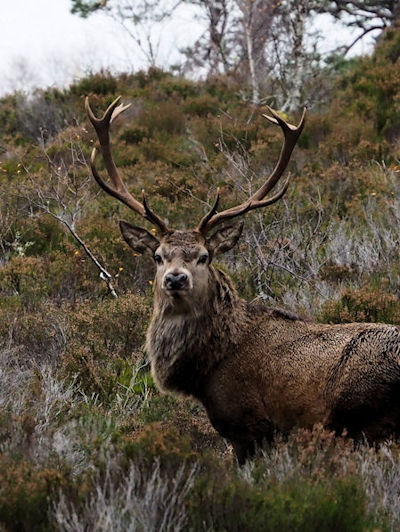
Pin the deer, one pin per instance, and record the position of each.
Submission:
(257, 370)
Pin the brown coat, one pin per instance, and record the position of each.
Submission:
(259, 370)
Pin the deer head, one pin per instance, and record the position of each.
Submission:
(183, 258)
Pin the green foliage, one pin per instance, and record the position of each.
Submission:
(105, 338)
(84, 8)
(156, 442)
(102, 83)
(290, 506)
(166, 117)
(159, 409)
(368, 93)
(201, 105)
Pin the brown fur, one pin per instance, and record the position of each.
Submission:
(258, 370)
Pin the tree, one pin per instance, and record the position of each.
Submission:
(253, 31)
(212, 51)
(140, 19)
(294, 58)
(266, 45)
(84, 8)
(366, 15)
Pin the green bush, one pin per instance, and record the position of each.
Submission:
(100, 83)
(201, 105)
(285, 507)
(103, 338)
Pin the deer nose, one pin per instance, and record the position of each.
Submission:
(176, 281)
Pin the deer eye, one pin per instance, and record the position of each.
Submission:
(158, 258)
(203, 259)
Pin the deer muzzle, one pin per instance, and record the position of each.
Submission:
(176, 281)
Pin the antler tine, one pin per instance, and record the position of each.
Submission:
(204, 221)
(102, 124)
(256, 201)
(119, 191)
(153, 217)
(291, 134)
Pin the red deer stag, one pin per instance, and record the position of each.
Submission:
(256, 370)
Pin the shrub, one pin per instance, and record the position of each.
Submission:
(158, 442)
(165, 117)
(134, 135)
(363, 305)
(37, 334)
(100, 83)
(41, 116)
(201, 105)
(295, 505)
(24, 494)
(23, 276)
(105, 338)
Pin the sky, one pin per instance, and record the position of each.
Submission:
(43, 44)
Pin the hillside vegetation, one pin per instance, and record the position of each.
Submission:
(86, 440)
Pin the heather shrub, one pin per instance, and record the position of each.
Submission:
(162, 443)
(24, 494)
(105, 340)
(36, 334)
(99, 83)
(23, 277)
(8, 116)
(44, 233)
(166, 117)
(152, 77)
(42, 115)
(58, 276)
(287, 506)
(363, 305)
(177, 87)
(201, 105)
(363, 116)
(134, 135)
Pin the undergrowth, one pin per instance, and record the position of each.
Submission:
(87, 443)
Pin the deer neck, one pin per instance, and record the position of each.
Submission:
(184, 346)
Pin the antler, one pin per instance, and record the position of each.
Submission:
(291, 134)
(119, 191)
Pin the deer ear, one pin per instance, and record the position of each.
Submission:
(139, 239)
(224, 239)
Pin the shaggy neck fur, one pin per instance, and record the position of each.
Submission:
(186, 340)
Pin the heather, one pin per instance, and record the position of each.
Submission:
(87, 442)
